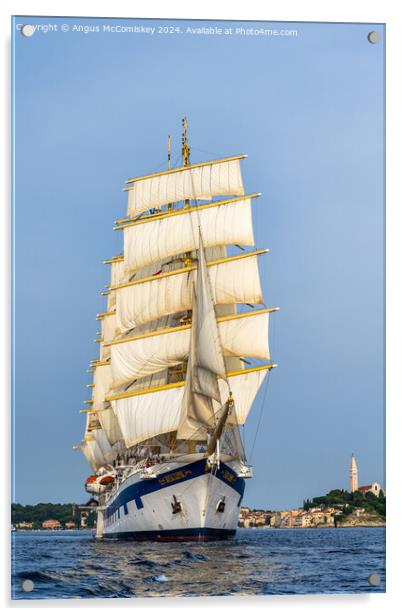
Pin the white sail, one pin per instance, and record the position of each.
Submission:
(110, 424)
(88, 455)
(102, 382)
(117, 274)
(208, 347)
(144, 416)
(150, 413)
(103, 444)
(244, 389)
(232, 281)
(111, 300)
(85, 448)
(200, 181)
(147, 355)
(205, 362)
(109, 327)
(177, 232)
(166, 375)
(104, 351)
(245, 335)
(96, 453)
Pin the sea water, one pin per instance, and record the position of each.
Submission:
(72, 564)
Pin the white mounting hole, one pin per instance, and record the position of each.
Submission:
(373, 37)
(28, 30)
(27, 585)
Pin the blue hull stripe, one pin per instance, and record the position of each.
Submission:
(171, 478)
(179, 534)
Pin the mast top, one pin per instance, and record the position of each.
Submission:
(185, 147)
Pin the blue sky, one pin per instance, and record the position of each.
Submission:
(92, 110)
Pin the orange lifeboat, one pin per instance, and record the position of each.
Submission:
(91, 479)
(107, 480)
(92, 485)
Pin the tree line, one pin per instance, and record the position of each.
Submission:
(350, 501)
(47, 511)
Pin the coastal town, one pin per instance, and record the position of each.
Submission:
(361, 506)
(317, 517)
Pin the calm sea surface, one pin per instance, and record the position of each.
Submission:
(71, 564)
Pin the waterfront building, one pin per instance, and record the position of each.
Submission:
(248, 518)
(375, 488)
(51, 525)
(303, 519)
(24, 525)
(275, 520)
(294, 518)
(84, 519)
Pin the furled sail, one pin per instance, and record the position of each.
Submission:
(244, 334)
(200, 181)
(233, 281)
(159, 237)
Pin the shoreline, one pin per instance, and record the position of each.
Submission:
(92, 530)
(382, 525)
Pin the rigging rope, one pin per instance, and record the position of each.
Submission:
(219, 155)
(260, 416)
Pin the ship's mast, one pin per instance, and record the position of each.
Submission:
(107, 433)
(170, 205)
(185, 147)
(185, 150)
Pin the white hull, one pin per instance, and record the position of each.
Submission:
(142, 509)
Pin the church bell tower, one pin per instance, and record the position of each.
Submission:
(353, 475)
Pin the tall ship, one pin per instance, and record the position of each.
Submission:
(183, 351)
